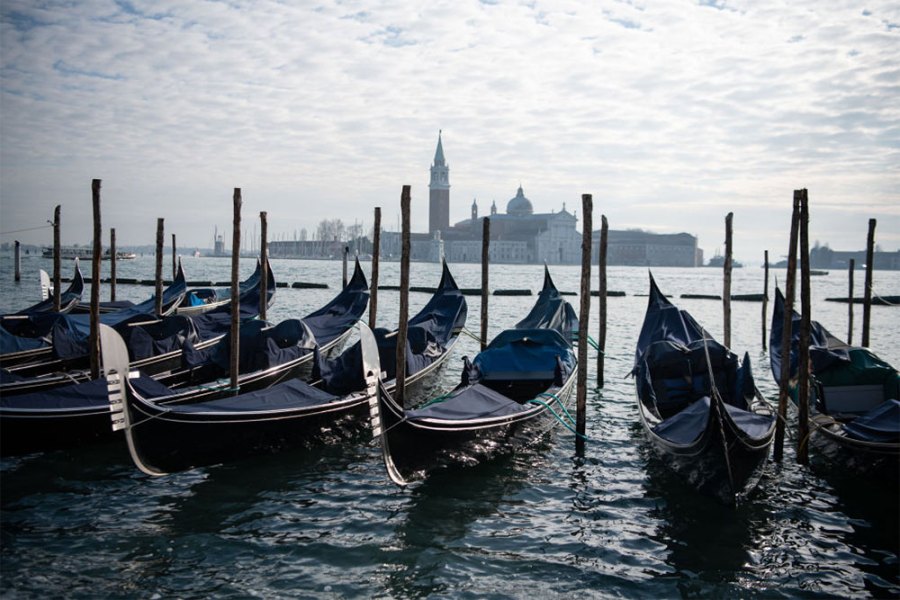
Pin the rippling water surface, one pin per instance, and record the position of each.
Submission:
(327, 521)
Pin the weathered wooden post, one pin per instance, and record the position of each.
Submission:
(805, 318)
(94, 339)
(587, 209)
(160, 236)
(346, 252)
(784, 379)
(765, 293)
(112, 264)
(485, 261)
(601, 337)
(57, 267)
(234, 363)
(264, 264)
(726, 288)
(174, 259)
(404, 297)
(17, 261)
(850, 303)
(376, 255)
(867, 291)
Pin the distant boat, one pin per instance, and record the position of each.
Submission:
(84, 253)
(719, 261)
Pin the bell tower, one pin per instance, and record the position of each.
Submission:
(439, 192)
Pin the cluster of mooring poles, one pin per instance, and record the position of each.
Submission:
(799, 236)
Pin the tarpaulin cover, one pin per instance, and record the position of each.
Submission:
(289, 394)
(88, 394)
(428, 333)
(551, 311)
(70, 333)
(335, 318)
(881, 424)
(689, 424)
(665, 321)
(9, 342)
(525, 354)
(829, 347)
(473, 402)
(146, 339)
(69, 297)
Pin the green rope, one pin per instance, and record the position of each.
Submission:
(436, 400)
(558, 418)
(558, 401)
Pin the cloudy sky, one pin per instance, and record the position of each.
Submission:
(671, 113)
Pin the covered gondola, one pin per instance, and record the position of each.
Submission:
(698, 403)
(164, 437)
(67, 335)
(269, 355)
(515, 382)
(155, 345)
(200, 300)
(854, 395)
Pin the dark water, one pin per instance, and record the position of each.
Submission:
(544, 522)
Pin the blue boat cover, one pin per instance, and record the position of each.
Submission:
(289, 394)
(686, 426)
(428, 334)
(87, 394)
(335, 318)
(68, 297)
(551, 311)
(828, 347)
(472, 402)
(521, 354)
(665, 321)
(881, 424)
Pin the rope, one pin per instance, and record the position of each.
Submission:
(717, 398)
(558, 418)
(471, 335)
(26, 229)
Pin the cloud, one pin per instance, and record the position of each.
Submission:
(671, 114)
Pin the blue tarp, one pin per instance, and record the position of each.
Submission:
(473, 402)
(881, 424)
(520, 354)
(289, 394)
(87, 394)
(551, 311)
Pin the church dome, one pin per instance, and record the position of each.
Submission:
(520, 205)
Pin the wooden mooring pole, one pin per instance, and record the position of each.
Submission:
(850, 303)
(784, 379)
(587, 210)
(174, 259)
(404, 297)
(601, 336)
(57, 267)
(17, 276)
(94, 339)
(264, 264)
(346, 252)
(112, 264)
(805, 316)
(765, 299)
(376, 255)
(160, 237)
(235, 358)
(485, 293)
(867, 291)
(726, 287)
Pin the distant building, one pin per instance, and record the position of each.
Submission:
(643, 248)
(823, 257)
(439, 192)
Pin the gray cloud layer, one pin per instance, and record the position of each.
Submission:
(670, 113)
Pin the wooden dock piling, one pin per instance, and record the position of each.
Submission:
(850, 302)
(17, 276)
(160, 237)
(174, 259)
(235, 357)
(587, 209)
(264, 264)
(346, 252)
(485, 294)
(765, 298)
(112, 264)
(376, 256)
(805, 317)
(404, 298)
(785, 376)
(726, 287)
(94, 338)
(867, 290)
(601, 267)
(57, 267)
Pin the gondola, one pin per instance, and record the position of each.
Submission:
(164, 438)
(513, 383)
(155, 345)
(698, 404)
(200, 300)
(854, 395)
(68, 334)
(22, 334)
(41, 332)
(78, 413)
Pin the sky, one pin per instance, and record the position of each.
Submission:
(670, 113)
